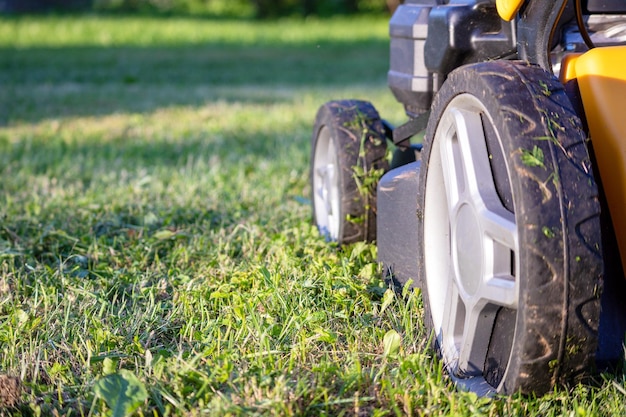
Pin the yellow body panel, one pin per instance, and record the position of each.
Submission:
(568, 67)
(601, 78)
(508, 8)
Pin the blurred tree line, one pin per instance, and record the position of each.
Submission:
(230, 8)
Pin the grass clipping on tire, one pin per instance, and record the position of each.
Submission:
(366, 177)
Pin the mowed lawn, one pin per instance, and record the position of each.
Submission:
(156, 248)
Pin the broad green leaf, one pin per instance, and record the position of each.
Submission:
(123, 392)
(369, 271)
(407, 288)
(164, 234)
(21, 317)
(325, 335)
(150, 219)
(388, 298)
(218, 294)
(391, 342)
(109, 366)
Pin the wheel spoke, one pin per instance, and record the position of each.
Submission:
(500, 291)
(499, 225)
(452, 324)
(475, 340)
(501, 242)
(479, 185)
(452, 163)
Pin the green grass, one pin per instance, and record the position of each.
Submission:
(155, 229)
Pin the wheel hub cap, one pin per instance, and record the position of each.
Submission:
(470, 242)
(326, 187)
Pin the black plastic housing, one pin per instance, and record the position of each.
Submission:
(429, 39)
(408, 78)
(605, 6)
(466, 32)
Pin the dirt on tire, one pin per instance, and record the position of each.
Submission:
(10, 391)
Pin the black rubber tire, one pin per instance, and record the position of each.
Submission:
(550, 337)
(358, 137)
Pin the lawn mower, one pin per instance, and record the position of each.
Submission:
(502, 196)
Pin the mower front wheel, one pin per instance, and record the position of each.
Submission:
(348, 156)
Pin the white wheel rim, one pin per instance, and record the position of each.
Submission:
(326, 185)
(471, 248)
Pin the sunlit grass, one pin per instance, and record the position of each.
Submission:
(103, 31)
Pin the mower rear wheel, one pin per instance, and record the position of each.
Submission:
(348, 156)
(510, 233)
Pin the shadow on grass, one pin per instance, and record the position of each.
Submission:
(41, 83)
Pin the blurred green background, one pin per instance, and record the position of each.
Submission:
(228, 8)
